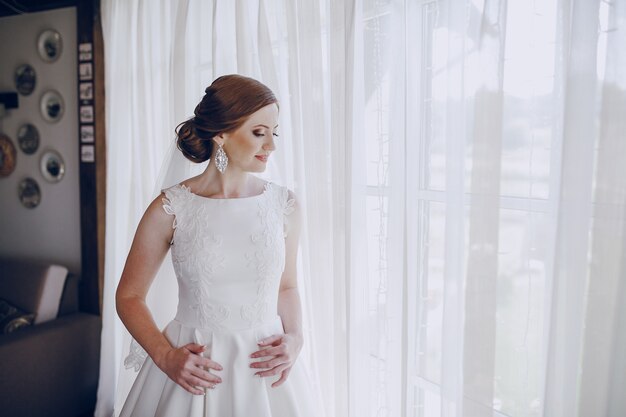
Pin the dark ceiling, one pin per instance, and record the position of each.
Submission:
(13, 7)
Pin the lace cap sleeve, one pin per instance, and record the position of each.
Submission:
(172, 203)
(167, 204)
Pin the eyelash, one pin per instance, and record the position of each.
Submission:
(261, 134)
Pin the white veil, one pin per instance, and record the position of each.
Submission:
(176, 168)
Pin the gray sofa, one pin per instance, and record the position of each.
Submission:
(48, 368)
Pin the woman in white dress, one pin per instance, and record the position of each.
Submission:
(233, 346)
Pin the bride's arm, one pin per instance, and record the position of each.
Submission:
(283, 349)
(289, 307)
(149, 247)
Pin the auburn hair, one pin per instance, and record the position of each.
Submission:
(226, 105)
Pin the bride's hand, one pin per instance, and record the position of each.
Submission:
(283, 350)
(188, 368)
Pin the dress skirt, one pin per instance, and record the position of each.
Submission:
(240, 394)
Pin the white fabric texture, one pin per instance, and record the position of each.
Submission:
(228, 256)
(488, 199)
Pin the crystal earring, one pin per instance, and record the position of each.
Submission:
(221, 159)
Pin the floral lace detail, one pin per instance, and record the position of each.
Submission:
(174, 203)
(268, 259)
(187, 244)
(136, 357)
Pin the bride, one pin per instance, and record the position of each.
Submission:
(232, 348)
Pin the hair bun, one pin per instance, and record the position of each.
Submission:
(194, 148)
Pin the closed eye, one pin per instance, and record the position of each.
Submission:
(261, 134)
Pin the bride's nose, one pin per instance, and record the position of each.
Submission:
(269, 146)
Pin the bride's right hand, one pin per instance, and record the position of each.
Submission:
(188, 368)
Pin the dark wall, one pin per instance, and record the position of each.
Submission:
(11, 7)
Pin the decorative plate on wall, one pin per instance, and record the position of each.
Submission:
(52, 106)
(52, 166)
(29, 193)
(49, 45)
(28, 138)
(25, 79)
(7, 156)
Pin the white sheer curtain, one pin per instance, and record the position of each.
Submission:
(462, 167)
(487, 199)
(160, 56)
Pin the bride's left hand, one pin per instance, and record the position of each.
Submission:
(284, 349)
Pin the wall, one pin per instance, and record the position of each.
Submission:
(51, 231)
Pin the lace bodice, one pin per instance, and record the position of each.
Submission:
(228, 255)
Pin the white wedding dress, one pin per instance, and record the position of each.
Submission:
(228, 256)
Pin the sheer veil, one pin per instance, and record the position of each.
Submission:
(176, 168)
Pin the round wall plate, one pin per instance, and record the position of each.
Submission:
(25, 79)
(52, 166)
(49, 45)
(52, 106)
(28, 138)
(29, 193)
(7, 156)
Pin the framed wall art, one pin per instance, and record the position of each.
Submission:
(86, 91)
(87, 153)
(25, 79)
(86, 114)
(49, 45)
(7, 156)
(52, 166)
(28, 138)
(29, 193)
(85, 71)
(87, 134)
(84, 52)
(52, 106)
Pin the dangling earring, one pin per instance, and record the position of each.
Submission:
(221, 159)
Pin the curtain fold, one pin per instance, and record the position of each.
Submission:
(492, 126)
(461, 168)
(602, 359)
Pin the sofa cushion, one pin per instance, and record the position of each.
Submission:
(32, 286)
(69, 299)
(12, 318)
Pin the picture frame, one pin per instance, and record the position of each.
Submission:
(88, 153)
(25, 79)
(49, 45)
(87, 134)
(8, 155)
(85, 91)
(28, 138)
(52, 166)
(86, 114)
(29, 193)
(85, 71)
(52, 106)
(85, 51)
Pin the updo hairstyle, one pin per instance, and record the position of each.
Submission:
(226, 105)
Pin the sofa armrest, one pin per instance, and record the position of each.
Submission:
(51, 368)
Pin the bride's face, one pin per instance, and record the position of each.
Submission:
(249, 147)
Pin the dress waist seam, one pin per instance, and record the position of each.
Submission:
(221, 328)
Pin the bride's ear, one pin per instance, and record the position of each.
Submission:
(219, 139)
